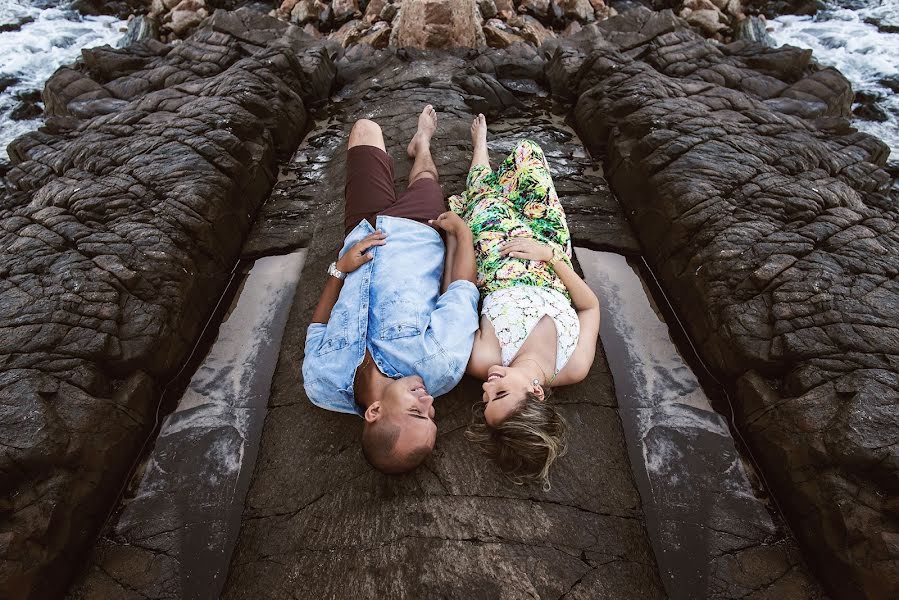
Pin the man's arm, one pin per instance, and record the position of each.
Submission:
(354, 258)
(327, 300)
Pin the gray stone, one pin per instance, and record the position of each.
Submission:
(753, 29)
(140, 28)
(117, 236)
(314, 495)
(776, 237)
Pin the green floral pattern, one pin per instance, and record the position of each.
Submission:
(518, 200)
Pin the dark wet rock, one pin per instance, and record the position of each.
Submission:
(487, 8)
(775, 8)
(117, 235)
(27, 108)
(866, 107)
(119, 8)
(891, 82)
(776, 239)
(313, 493)
(7, 81)
(882, 26)
(7, 27)
(344, 10)
(140, 28)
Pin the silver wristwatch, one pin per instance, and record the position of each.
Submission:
(333, 271)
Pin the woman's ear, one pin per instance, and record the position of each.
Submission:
(373, 412)
(537, 390)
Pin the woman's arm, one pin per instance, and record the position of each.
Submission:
(460, 260)
(451, 244)
(582, 297)
(581, 360)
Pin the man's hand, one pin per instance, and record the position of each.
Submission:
(527, 248)
(451, 223)
(358, 255)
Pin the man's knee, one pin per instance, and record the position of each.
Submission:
(423, 174)
(366, 132)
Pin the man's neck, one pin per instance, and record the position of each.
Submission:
(369, 384)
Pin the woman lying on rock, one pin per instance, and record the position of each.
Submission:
(539, 319)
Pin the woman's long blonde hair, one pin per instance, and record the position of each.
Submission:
(526, 443)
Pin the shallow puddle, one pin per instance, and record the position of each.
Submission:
(191, 493)
(698, 500)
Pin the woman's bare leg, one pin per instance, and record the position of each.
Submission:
(479, 154)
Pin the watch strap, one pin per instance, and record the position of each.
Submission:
(333, 271)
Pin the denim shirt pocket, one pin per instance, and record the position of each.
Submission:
(439, 371)
(399, 317)
(337, 334)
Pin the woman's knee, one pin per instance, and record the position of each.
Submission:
(366, 132)
(530, 146)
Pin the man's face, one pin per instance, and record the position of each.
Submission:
(407, 404)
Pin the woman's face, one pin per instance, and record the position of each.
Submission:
(504, 391)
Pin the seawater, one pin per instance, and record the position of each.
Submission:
(41, 37)
(861, 39)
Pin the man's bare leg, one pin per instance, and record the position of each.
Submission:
(420, 147)
(366, 133)
(479, 154)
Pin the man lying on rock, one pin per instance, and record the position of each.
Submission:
(387, 334)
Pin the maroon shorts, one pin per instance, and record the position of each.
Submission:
(369, 191)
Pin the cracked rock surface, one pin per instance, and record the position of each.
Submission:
(319, 521)
(122, 220)
(771, 226)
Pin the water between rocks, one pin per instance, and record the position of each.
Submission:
(697, 497)
(192, 486)
(861, 39)
(36, 38)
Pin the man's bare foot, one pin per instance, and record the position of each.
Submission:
(427, 125)
(479, 132)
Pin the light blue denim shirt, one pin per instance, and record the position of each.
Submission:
(393, 305)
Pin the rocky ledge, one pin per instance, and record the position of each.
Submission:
(771, 225)
(122, 222)
(767, 219)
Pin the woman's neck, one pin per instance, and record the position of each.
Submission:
(533, 365)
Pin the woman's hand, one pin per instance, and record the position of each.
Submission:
(358, 255)
(451, 223)
(527, 249)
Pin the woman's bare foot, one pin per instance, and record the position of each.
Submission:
(427, 125)
(479, 132)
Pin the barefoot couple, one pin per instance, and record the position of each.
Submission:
(397, 322)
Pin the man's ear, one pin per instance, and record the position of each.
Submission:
(373, 412)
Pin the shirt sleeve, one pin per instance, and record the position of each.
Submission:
(455, 321)
(314, 337)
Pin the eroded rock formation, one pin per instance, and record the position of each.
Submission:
(770, 223)
(765, 216)
(123, 220)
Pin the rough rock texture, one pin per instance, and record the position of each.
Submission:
(116, 237)
(768, 221)
(319, 521)
(437, 24)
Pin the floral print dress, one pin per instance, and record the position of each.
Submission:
(519, 200)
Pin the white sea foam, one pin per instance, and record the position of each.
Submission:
(54, 36)
(845, 35)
